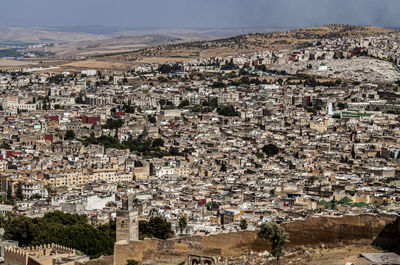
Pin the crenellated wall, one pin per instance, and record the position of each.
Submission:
(44, 253)
(15, 255)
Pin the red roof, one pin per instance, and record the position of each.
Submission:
(11, 153)
(52, 118)
(48, 137)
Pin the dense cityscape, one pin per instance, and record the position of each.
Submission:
(199, 148)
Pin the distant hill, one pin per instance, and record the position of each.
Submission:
(13, 35)
(79, 41)
(66, 35)
(262, 41)
(125, 46)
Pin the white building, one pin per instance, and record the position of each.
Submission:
(30, 189)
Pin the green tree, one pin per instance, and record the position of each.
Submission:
(218, 85)
(259, 155)
(228, 111)
(270, 149)
(2, 221)
(128, 109)
(113, 124)
(9, 196)
(69, 135)
(70, 230)
(23, 229)
(182, 223)
(158, 142)
(184, 103)
(35, 197)
(79, 100)
(197, 108)
(65, 218)
(132, 262)
(4, 146)
(174, 151)
(18, 193)
(341, 105)
(157, 227)
(243, 224)
(276, 235)
(152, 118)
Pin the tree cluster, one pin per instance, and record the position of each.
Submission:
(143, 147)
(56, 79)
(69, 230)
(152, 119)
(113, 124)
(270, 149)
(69, 135)
(157, 227)
(167, 68)
(228, 111)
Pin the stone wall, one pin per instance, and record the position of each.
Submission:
(389, 237)
(15, 256)
(349, 228)
(310, 232)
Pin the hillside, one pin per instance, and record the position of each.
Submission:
(21, 36)
(126, 48)
(96, 40)
(245, 43)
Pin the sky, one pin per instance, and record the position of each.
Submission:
(198, 13)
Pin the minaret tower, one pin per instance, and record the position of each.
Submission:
(127, 220)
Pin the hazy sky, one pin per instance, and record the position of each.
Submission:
(198, 13)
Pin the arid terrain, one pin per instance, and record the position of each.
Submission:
(250, 43)
(338, 256)
(128, 48)
(235, 45)
(315, 256)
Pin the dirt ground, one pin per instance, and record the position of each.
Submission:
(334, 256)
(6, 63)
(317, 256)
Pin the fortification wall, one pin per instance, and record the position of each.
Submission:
(313, 231)
(15, 255)
(349, 228)
(124, 251)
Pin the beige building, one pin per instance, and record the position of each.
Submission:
(319, 125)
(82, 178)
(3, 165)
(69, 179)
